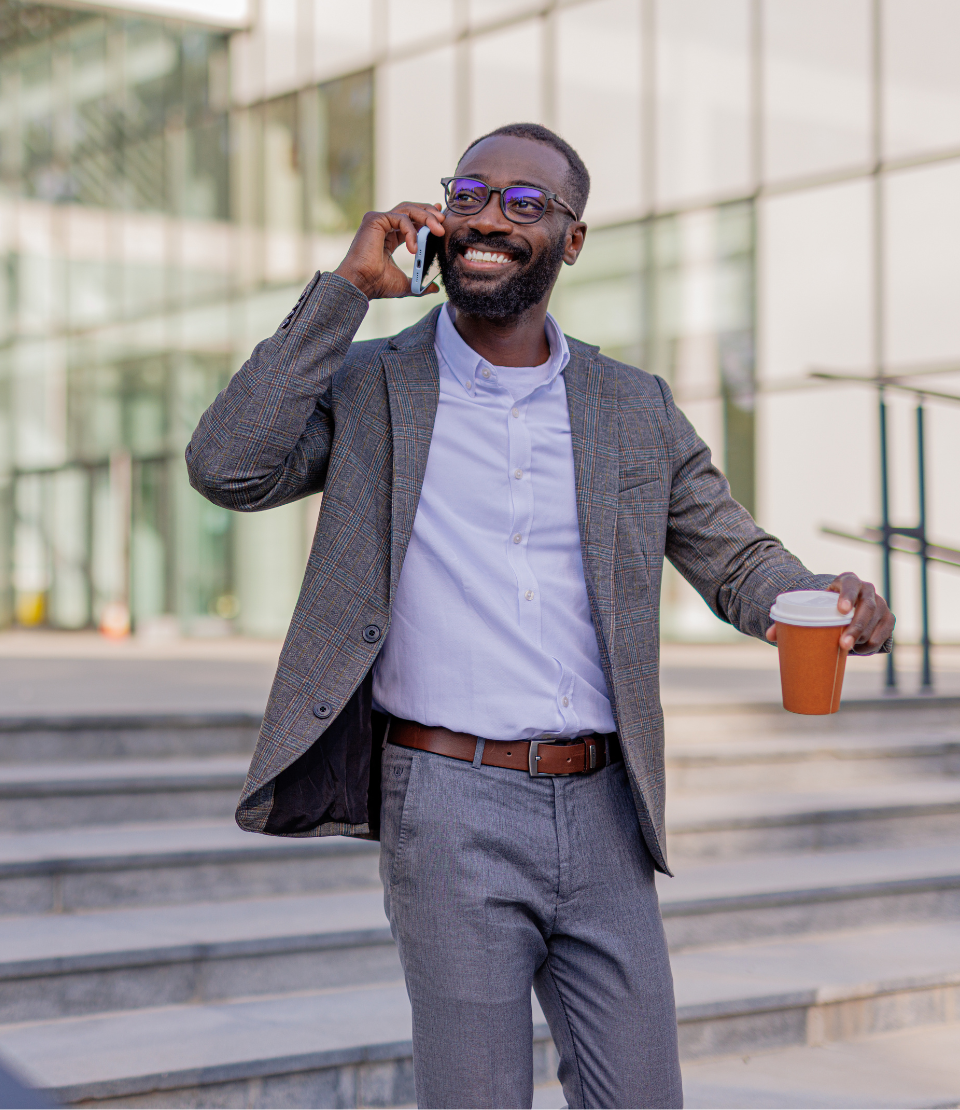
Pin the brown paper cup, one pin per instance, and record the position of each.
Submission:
(811, 667)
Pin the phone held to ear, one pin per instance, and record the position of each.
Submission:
(426, 255)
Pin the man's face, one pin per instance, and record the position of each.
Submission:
(526, 257)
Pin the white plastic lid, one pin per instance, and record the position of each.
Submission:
(815, 608)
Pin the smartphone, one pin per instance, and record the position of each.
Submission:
(427, 245)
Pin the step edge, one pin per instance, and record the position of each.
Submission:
(805, 895)
(848, 707)
(160, 955)
(125, 721)
(110, 786)
(819, 817)
(145, 860)
(811, 997)
(377, 1052)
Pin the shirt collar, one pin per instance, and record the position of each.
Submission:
(463, 361)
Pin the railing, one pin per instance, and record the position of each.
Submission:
(891, 538)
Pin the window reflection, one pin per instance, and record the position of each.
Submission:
(127, 190)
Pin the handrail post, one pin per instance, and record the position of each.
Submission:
(891, 679)
(926, 685)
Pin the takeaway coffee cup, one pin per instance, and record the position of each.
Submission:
(809, 625)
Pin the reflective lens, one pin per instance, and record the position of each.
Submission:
(466, 196)
(520, 203)
(524, 205)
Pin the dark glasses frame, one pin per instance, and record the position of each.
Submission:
(555, 197)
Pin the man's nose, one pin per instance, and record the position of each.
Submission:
(490, 220)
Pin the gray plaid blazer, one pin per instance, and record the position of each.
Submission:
(311, 410)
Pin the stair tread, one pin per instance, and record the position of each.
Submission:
(209, 1041)
(703, 810)
(914, 1067)
(840, 745)
(116, 1052)
(126, 773)
(791, 874)
(65, 940)
(816, 968)
(152, 842)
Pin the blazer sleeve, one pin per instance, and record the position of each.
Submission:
(736, 567)
(266, 438)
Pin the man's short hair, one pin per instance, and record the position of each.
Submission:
(578, 177)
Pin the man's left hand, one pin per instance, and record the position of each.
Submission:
(872, 623)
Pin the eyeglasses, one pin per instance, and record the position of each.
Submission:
(521, 204)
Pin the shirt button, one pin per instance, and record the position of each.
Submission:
(514, 412)
(517, 538)
(529, 595)
(485, 372)
(468, 385)
(518, 474)
(565, 702)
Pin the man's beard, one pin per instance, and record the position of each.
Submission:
(503, 299)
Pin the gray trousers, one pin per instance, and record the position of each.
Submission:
(495, 882)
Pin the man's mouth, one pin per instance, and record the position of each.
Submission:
(484, 261)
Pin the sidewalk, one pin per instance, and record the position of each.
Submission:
(52, 673)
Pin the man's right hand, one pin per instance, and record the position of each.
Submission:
(369, 262)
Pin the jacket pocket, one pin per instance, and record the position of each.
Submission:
(639, 474)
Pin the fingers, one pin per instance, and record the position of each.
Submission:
(868, 611)
(877, 634)
(847, 585)
(368, 263)
(772, 633)
(411, 217)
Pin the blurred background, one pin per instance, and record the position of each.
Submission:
(775, 194)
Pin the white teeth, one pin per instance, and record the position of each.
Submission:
(473, 255)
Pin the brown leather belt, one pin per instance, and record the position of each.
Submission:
(536, 757)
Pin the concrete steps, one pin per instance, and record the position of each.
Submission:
(782, 763)
(54, 965)
(731, 825)
(909, 1068)
(95, 867)
(70, 739)
(816, 989)
(58, 964)
(787, 895)
(314, 1047)
(65, 795)
(179, 961)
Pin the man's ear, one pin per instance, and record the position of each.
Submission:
(576, 233)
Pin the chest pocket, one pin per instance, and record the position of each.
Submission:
(638, 474)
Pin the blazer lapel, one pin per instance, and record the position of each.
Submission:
(413, 388)
(592, 400)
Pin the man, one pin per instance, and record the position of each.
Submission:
(481, 604)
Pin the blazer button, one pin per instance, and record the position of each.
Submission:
(371, 633)
(322, 710)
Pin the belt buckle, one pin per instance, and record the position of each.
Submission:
(532, 759)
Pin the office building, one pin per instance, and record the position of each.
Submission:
(776, 194)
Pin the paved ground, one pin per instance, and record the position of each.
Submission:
(52, 673)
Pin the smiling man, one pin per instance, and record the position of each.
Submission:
(471, 673)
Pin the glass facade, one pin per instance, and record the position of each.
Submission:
(775, 192)
(153, 230)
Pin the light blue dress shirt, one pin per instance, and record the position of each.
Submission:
(491, 632)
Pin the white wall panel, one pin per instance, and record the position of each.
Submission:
(816, 86)
(921, 43)
(598, 101)
(703, 120)
(506, 84)
(815, 283)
